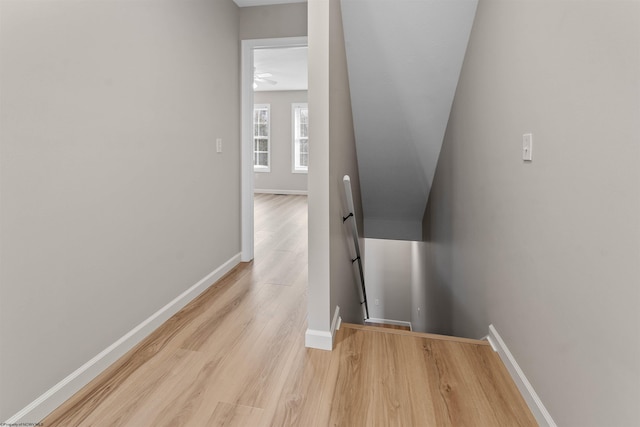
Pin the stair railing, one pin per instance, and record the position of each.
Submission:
(356, 244)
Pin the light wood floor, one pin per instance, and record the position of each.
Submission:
(386, 325)
(235, 357)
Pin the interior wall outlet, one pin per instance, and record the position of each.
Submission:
(527, 147)
(377, 301)
(219, 145)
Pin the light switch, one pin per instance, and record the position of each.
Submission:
(527, 147)
(219, 145)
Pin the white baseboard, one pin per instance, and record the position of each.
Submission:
(292, 192)
(323, 340)
(526, 389)
(61, 392)
(335, 324)
(389, 322)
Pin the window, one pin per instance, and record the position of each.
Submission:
(300, 138)
(261, 131)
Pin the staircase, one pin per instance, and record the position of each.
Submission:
(388, 326)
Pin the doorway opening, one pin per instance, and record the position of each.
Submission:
(271, 78)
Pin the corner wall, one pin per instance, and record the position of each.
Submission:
(343, 161)
(548, 251)
(388, 271)
(113, 198)
(332, 155)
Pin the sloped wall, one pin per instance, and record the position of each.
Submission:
(404, 58)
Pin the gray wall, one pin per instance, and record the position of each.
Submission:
(430, 291)
(342, 161)
(396, 272)
(405, 58)
(388, 277)
(281, 20)
(280, 177)
(332, 155)
(548, 251)
(114, 200)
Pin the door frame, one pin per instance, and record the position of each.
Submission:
(246, 133)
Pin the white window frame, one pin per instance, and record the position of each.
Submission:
(260, 168)
(295, 168)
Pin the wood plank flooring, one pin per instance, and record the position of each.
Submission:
(235, 356)
(389, 326)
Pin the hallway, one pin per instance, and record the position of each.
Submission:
(235, 357)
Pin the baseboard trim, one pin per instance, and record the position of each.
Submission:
(288, 192)
(323, 340)
(526, 389)
(389, 322)
(335, 324)
(61, 392)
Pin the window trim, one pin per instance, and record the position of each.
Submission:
(294, 169)
(259, 168)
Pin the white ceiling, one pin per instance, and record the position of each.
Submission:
(245, 3)
(287, 66)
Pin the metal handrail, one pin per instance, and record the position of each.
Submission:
(356, 244)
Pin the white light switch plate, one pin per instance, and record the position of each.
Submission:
(219, 145)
